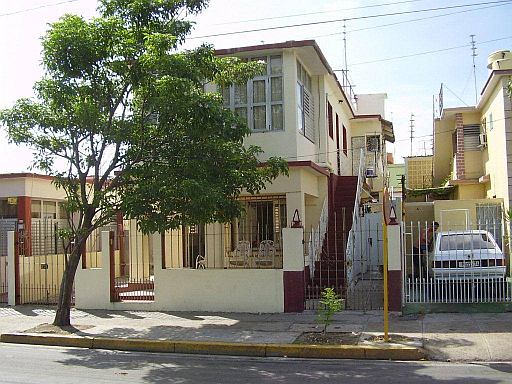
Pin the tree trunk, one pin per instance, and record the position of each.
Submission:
(63, 315)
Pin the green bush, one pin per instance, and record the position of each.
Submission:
(330, 303)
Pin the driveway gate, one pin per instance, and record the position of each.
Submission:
(466, 273)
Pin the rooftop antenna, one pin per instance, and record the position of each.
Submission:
(412, 129)
(474, 54)
(345, 43)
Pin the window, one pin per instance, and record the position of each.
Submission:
(260, 101)
(8, 211)
(329, 120)
(373, 143)
(491, 122)
(471, 137)
(263, 219)
(49, 210)
(465, 242)
(305, 106)
(345, 149)
(36, 209)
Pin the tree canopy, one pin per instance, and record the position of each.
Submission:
(125, 109)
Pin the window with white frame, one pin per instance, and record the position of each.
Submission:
(260, 101)
(305, 106)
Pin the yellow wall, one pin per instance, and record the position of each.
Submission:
(470, 191)
(496, 159)
(455, 214)
(473, 164)
(419, 212)
(443, 159)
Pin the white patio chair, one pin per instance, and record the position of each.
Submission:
(200, 262)
(239, 258)
(266, 254)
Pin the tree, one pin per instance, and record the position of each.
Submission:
(126, 112)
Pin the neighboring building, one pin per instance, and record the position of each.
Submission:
(472, 144)
(418, 172)
(472, 147)
(396, 171)
(29, 201)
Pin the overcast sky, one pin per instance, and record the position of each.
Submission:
(407, 55)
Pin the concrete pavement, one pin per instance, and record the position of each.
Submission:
(453, 337)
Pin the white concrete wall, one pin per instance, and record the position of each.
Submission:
(233, 290)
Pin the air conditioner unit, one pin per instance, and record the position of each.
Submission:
(370, 172)
(483, 140)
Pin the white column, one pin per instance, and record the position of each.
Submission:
(92, 285)
(295, 200)
(394, 244)
(293, 249)
(11, 269)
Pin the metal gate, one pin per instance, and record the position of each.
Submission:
(365, 284)
(456, 266)
(6, 225)
(131, 264)
(40, 262)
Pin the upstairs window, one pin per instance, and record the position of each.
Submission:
(330, 123)
(373, 143)
(305, 106)
(260, 101)
(471, 137)
(345, 147)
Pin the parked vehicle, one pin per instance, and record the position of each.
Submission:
(466, 255)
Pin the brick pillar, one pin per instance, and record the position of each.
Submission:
(25, 215)
(459, 155)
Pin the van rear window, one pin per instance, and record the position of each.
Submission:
(465, 241)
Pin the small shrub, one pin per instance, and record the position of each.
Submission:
(330, 303)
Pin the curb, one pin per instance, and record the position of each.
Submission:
(370, 352)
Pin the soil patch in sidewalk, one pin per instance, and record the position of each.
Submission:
(56, 330)
(329, 338)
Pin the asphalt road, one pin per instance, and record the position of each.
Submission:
(35, 364)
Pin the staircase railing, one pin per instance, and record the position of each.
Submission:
(349, 257)
(316, 238)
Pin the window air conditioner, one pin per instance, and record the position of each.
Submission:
(370, 172)
(483, 140)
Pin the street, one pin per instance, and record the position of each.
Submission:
(36, 364)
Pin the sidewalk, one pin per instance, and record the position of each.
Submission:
(454, 337)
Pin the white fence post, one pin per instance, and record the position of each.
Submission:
(11, 269)
(92, 285)
(394, 268)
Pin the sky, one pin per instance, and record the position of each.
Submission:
(406, 55)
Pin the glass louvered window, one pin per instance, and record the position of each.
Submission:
(471, 137)
(260, 101)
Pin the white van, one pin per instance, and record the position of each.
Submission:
(465, 255)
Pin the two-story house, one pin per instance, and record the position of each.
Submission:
(473, 148)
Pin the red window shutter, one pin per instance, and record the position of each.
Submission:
(329, 121)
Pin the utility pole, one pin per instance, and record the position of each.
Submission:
(412, 129)
(474, 54)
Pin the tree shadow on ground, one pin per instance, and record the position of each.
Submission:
(172, 368)
(209, 332)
